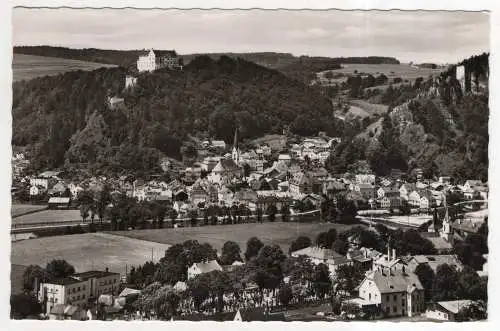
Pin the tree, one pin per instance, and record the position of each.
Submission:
(59, 269)
(299, 243)
(326, 239)
(411, 242)
(253, 247)
(268, 264)
(475, 311)
(285, 295)
(84, 211)
(426, 276)
(32, 273)
(404, 209)
(285, 213)
(230, 253)
(173, 215)
(341, 246)
(445, 283)
(321, 280)
(24, 305)
(348, 277)
(271, 212)
(471, 286)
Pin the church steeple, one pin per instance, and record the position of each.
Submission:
(236, 150)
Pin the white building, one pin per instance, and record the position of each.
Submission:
(203, 267)
(77, 289)
(151, 61)
(130, 82)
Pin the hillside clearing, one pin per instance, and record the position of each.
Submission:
(47, 216)
(26, 67)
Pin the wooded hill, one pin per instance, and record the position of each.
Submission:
(66, 119)
(302, 68)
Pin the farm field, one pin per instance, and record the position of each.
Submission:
(269, 233)
(19, 209)
(390, 70)
(87, 251)
(27, 67)
(47, 216)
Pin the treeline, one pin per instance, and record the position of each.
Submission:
(107, 56)
(66, 117)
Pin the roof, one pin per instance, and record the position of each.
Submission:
(129, 291)
(94, 274)
(180, 286)
(59, 200)
(314, 252)
(455, 305)
(64, 281)
(208, 266)
(394, 281)
(300, 178)
(225, 165)
(436, 260)
(169, 53)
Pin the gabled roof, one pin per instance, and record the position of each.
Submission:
(394, 281)
(330, 255)
(436, 260)
(455, 305)
(129, 291)
(208, 266)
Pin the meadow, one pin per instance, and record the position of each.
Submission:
(47, 216)
(21, 209)
(26, 67)
(87, 251)
(403, 71)
(269, 233)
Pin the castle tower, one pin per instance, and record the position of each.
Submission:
(235, 155)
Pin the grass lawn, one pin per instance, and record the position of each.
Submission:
(277, 233)
(19, 209)
(87, 251)
(47, 216)
(27, 67)
(370, 108)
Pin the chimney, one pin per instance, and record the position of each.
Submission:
(107, 269)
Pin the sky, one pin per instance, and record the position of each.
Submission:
(418, 36)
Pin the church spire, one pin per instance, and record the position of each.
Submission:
(235, 142)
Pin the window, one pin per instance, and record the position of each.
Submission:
(78, 289)
(115, 280)
(388, 298)
(394, 297)
(83, 296)
(77, 297)
(83, 288)
(369, 296)
(394, 309)
(56, 300)
(74, 289)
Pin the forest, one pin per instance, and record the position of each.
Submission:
(66, 119)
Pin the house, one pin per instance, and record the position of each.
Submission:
(365, 179)
(314, 199)
(37, 190)
(387, 192)
(130, 82)
(67, 312)
(209, 163)
(203, 267)
(391, 293)
(301, 183)
(277, 198)
(225, 172)
(59, 202)
(406, 189)
(153, 60)
(367, 191)
(414, 198)
(218, 144)
(100, 282)
(445, 180)
(58, 189)
(472, 184)
(427, 200)
(329, 257)
(363, 257)
(333, 187)
(198, 195)
(391, 202)
(434, 261)
(285, 158)
(388, 261)
(115, 102)
(446, 310)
